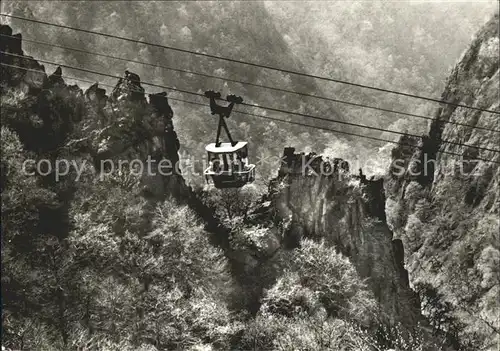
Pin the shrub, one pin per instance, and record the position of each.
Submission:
(333, 277)
(319, 302)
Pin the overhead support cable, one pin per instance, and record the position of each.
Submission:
(281, 120)
(305, 115)
(203, 54)
(184, 71)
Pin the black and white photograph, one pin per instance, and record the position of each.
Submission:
(247, 175)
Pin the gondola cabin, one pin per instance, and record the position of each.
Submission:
(228, 165)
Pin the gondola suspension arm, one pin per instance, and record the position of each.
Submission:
(222, 112)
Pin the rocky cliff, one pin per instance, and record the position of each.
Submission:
(320, 199)
(55, 119)
(446, 211)
(438, 228)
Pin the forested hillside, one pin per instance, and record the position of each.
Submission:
(100, 257)
(103, 260)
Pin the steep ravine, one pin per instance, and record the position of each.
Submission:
(447, 217)
(439, 228)
(436, 227)
(346, 211)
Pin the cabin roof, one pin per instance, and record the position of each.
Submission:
(225, 147)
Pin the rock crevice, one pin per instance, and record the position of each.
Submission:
(324, 201)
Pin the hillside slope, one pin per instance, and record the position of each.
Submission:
(447, 214)
(130, 261)
(101, 259)
(405, 47)
(90, 253)
(425, 240)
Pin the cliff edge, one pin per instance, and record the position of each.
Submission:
(320, 199)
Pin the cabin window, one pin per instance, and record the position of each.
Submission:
(215, 161)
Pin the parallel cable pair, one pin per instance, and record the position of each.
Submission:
(202, 54)
(178, 70)
(256, 106)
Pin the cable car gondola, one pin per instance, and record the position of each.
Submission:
(228, 162)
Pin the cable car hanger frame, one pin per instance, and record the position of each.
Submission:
(222, 112)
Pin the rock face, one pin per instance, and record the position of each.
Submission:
(446, 215)
(320, 199)
(50, 116)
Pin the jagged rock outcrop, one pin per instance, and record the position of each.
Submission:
(51, 116)
(446, 212)
(33, 77)
(55, 78)
(320, 199)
